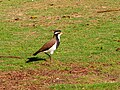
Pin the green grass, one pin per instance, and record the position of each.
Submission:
(89, 37)
(101, 86)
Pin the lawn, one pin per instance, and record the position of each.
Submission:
(86, 59)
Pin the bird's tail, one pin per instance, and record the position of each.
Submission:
(36, 53)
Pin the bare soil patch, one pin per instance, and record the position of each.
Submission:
(42, 78)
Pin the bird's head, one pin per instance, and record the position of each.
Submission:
(57, 32)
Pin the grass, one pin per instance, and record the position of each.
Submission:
(101, 86)
(90, 39)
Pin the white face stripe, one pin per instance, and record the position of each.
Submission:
(59, 37)
(56, 32)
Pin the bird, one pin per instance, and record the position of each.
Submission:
(49, 47)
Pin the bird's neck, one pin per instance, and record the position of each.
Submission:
(57, 37)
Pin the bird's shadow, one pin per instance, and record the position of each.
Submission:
(33, 59)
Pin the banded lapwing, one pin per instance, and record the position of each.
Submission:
(51, 45)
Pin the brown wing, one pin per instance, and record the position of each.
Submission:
(47, 45)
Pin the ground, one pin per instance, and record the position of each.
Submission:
(89, 54)
(40, 79)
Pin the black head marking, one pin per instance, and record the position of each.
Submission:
(57, 31)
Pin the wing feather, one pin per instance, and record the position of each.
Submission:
(47, 45)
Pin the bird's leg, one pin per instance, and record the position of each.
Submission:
(48, 55)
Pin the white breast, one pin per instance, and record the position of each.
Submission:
(52, 49)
